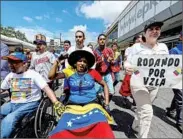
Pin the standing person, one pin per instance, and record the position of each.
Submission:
(176, 104)
(125, 90)
(4, 63)
(144, 96)
(67, 45)
(25, 88)
(104, 57)
(116, 63)
(79, 39)
(42, 61)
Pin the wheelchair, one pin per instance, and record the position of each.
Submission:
(38, 123)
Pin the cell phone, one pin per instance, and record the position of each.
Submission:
(63, 56)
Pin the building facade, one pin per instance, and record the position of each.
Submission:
(134, 17)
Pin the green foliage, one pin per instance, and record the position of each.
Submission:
(11, 32)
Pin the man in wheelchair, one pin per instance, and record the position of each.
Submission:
(25, 89)
(82, 116)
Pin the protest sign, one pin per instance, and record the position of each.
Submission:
(163, 71)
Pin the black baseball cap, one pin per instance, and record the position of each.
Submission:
(153, 23)
(39, 42)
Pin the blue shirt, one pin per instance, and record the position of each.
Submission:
(177, 49)
(5, 70)
(82, 86)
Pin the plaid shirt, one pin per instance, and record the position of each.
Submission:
(103, 66)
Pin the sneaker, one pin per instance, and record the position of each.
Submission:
(171, 113)
(179, 127)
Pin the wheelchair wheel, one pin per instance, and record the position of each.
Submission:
(45, 119)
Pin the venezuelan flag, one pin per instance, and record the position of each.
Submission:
(89, 121)
(177, 71)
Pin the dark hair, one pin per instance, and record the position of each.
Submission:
(81, 32)
(19, 49)
(137, 36)
(89, 45)
(115, 43)
(67, 41)
(101, 35)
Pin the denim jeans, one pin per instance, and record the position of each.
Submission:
(108, 79)
(14, 112)
(177, 104)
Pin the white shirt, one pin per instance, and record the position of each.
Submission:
(139, 48)
(42, 63)
(127, 51)
(25, 87)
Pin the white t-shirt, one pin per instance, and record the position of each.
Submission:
(72, 49)
(127, 51)
(139, 48)
(42, 63)
(25, 87)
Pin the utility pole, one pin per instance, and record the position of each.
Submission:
(60, 38)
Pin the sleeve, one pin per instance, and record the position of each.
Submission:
(172, 51)
(111, 53)
(95, 75)
(97, 57)
(39, 80)
(52, 58)
(68, 71)
(166, 49)
(32, 64)
(6, 82)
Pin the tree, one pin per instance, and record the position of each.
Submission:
(11, 32)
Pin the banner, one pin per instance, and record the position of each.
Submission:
(163, 71)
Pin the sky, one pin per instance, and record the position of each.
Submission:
(54, 17)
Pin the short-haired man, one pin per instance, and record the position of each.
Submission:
(42, 61)
(104, 57)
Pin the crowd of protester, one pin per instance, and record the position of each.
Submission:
(90, 75)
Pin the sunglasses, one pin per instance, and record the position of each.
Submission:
(79, 36)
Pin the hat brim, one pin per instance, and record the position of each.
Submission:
(39, 42)
(11, 58)
(78, 54)
(155, 24)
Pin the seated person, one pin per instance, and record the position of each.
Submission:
(83, 116)
(25, 90)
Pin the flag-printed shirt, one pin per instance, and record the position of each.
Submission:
(81, 86)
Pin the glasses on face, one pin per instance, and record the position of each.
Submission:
(79, 36)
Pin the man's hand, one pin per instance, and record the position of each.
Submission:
(129, 71)
(59, 108)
